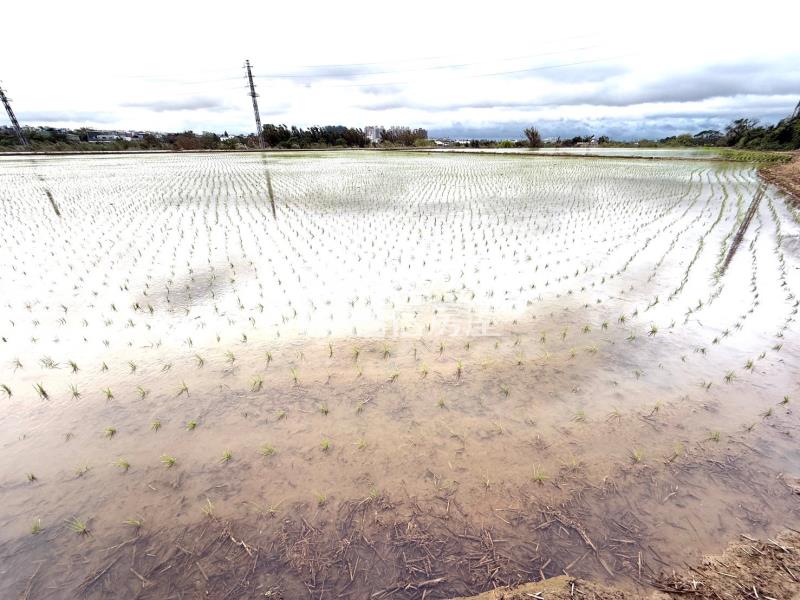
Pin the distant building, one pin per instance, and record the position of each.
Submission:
(373, 133)
(590, 144)
(102, 137)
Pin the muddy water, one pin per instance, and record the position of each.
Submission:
(420, 376)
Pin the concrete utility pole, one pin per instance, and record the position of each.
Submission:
(7, 103)
(253, 95)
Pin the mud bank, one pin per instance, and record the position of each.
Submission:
(748, 568)
(785, 175)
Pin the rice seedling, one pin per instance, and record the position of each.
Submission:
(459, 369)
(637, 455)
(209, 508)
(132, 366)
(579, 416)
(538, 475)
(784, 401)
(325, 445)
(730, 376)
(168, 461)
(361, 444)
(504, 390)
(41, 391)
(394, 376)
(256, 384)
(183, 389)
(295, 377)
(136, 523)
(155, 425)
(227, 456)
(280, 414)
(191, 425)
(653, 330)
(322, 499)
(73, 366)
(36, 526)
(440, 403)
(323, 409)
(266, 450)
(749, 365)
(48, 363)
(123, 464)
(108, 393)
(714, 436)
(143, 393)
(6, 390)
(78, 526)
(110, 432)
(230, 357)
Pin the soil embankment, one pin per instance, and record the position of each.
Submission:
(785, 175)
(748, 568)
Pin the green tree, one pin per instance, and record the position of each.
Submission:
(534, 138)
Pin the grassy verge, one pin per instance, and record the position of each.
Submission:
(759, 156)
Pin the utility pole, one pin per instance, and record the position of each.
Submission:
(22, 139)
(253, 95)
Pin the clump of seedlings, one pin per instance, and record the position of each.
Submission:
(266, 450)
(78, 526)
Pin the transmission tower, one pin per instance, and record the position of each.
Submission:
(7, 103)
(253, 95)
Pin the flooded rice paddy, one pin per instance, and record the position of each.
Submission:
(374, 375)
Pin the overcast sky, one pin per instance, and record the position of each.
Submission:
(628, 69)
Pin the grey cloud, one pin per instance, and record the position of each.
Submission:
(310, 75)
(42, 116)
(717, 81)
(198, 103)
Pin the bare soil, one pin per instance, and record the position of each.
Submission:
(748, 568)
(786, 176)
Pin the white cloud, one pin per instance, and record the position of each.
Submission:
(177, 65)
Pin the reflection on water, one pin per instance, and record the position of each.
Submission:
(541, 352)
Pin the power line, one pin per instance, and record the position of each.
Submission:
(7, 103)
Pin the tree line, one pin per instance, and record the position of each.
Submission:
(274, 136)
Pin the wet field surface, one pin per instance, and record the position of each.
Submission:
(391, 375)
